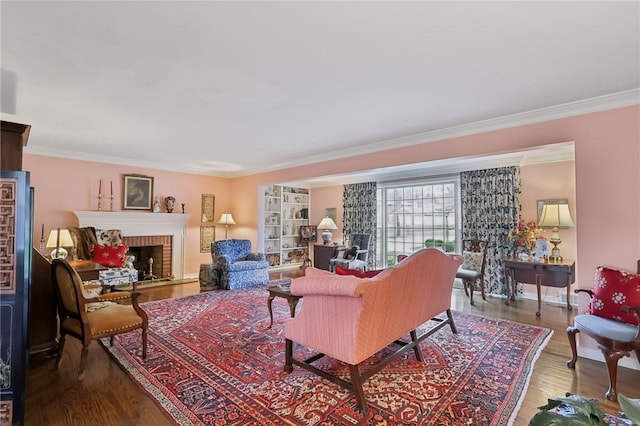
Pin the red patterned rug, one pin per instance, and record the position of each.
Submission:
(213, 360)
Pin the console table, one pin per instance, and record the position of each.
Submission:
(322, 254)
(553, 274)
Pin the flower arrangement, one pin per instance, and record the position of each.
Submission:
(523, 238)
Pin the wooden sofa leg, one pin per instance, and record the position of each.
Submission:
(288, 354)
(416, 348)
(612, 357)
(571, 334)
(357, 388)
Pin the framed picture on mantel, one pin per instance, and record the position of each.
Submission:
(138, 192)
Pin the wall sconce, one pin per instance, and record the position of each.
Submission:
(59, 238)
(327, 224)
(554, 216)
(226, 219)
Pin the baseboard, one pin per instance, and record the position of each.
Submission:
(191, 276)
(596, 355)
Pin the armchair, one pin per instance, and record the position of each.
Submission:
(471, 272)
(354, 258)
(104, 247)
(613, 321)
(77, 319)
(236, 266)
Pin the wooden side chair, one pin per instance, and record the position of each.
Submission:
(87, 322)
(613, 321)
(471, 272)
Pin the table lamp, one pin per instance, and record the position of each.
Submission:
(554, 216)
(226, 219)
(58, 239)
(327, 224)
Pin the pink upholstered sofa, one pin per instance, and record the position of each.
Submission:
(350, 318)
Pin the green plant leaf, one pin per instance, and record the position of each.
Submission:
(630, 407)
(570, 410)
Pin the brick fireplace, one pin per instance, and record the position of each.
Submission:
(157, 247)
(146, 229)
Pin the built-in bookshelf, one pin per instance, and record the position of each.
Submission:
(285, 209)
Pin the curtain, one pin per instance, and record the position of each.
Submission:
(490, 209)
(359, 214)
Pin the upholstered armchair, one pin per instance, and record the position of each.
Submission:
(352, 258)
(106, 248)
(236, 266)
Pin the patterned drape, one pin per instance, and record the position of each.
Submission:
(490, 209)
(359, 214)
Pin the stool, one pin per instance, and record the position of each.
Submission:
(208, 276)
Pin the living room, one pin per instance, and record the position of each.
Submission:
(601, 181)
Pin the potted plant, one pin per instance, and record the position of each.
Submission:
(578, 410)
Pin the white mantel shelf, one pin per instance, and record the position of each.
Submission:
(137, 224)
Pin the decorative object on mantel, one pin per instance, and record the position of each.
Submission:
(138, 192)
(156, 205)
(182, 205)
(59, 239)
(169, 202)
(555, 214)
(111, 204)
(327, 224)
(522, 240)
(100, 196)
(226, 219)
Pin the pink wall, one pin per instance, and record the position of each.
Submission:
(62, 186)
(607, 149)
(327, 197)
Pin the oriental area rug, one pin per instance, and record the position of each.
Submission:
(213, 360)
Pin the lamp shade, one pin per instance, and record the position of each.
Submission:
(555, 215)
(226, 219)
(327, 223)
(59, 238)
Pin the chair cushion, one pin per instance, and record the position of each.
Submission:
(111, 257)
(614, 289)
(360, 274)
(247, 265)
(615, 330)
(472, 260)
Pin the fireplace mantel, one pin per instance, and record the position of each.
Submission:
(144, 224)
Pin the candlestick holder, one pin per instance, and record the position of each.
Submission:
(41, 246)
(111, 204)
(99, 202)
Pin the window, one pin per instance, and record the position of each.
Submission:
(413, 215)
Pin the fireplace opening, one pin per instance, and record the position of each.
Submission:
(158, 247)
(145, 268)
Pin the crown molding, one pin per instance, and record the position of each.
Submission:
(569, 109)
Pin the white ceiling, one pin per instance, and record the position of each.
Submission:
(234, 88)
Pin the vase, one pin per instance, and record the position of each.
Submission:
(169, 203)
(523, 255)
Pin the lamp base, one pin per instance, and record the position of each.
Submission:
(59, 253)
(326, 237)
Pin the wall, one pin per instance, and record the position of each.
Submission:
(327, 197)
(62, 186)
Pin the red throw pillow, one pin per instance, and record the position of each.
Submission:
(614, 289)
(111, 257)
(366, 274)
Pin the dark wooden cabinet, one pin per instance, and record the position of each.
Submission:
(14, 137)
(321, 256)
(43, 327)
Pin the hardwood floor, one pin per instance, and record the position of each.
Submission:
(107, 396)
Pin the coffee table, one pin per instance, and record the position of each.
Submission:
(277, 291)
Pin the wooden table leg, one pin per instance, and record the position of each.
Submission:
(539, 291)
(507, 275)
(292, 306)
(269, 301)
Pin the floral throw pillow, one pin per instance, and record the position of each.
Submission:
(366, 274)
(111, 257)
(614, 289)
(109, 237)
(472, 261)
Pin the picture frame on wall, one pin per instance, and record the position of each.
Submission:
(208, 207)
(331, 212)
(207, 236)
(308, 233)
(137, 192)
